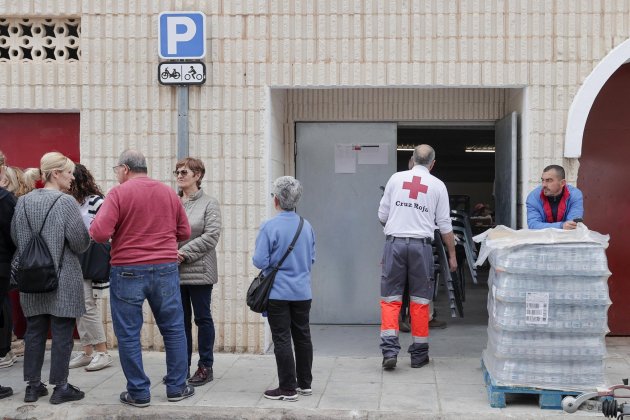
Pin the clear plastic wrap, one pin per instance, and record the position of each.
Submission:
(552, 259)
(568, 376)
(571, 290)
(547, 347)
(577, 319)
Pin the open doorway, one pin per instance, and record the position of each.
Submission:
(465, 160)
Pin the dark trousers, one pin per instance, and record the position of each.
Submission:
(35, 347)
(196, 301)
(290, 319)
(6, 324)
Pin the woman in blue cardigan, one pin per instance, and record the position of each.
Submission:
(290, 298)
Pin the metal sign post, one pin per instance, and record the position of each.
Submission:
(182, 122)
(182, 36)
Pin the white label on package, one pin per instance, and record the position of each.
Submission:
(537, 308)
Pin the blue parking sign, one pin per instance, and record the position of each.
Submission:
(182, 35)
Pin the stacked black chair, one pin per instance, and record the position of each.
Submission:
(450, 280)
(467, 251)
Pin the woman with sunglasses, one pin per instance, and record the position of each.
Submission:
(198, 264)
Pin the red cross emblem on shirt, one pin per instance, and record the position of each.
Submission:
(415, 187)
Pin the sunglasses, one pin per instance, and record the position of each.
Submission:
(182, 172)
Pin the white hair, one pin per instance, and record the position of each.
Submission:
(288, 191)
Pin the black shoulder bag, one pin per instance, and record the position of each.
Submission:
(259, 290)
(95, 262)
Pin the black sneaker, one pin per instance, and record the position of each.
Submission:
(201, 377)
(125, 398)
(389, 363)
(304, 391)
(281, 394)
(415, 364)
(71, 393)
(32, 394)
(5, 391)
(188, 391)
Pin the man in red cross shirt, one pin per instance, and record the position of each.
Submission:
(414, 202)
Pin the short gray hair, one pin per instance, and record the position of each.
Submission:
(135, 161)
(288, 191)
(423, 155)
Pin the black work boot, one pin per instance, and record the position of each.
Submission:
(389, 363)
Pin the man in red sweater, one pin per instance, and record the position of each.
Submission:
(145, 219)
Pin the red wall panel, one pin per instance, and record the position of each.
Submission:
(24, 138)
(602, 177)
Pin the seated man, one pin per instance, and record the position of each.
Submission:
(554, 204)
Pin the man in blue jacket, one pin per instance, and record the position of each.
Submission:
(554, 204)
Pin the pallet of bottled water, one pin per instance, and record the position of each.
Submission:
(548, 302)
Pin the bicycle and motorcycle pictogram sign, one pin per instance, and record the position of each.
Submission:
(182, 73)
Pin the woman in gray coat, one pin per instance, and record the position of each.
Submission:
(66, 236)
(198, 264)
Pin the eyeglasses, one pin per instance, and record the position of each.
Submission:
(182, 172)
(115, 168)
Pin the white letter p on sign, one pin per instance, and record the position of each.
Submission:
(172, 22)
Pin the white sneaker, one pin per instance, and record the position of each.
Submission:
(17, 347)
(100, 361)
(80, 360)
(304, 391)
(7, 360)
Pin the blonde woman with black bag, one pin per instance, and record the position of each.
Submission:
(56, 215)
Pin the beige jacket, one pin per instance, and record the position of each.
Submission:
(200, 257)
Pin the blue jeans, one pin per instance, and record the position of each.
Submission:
(159, 285)
(199, 297)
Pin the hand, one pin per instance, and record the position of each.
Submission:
(452, 263)
(569, 225)
(180, 257)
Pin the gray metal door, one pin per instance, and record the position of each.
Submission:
(505, 142)
(342, 208)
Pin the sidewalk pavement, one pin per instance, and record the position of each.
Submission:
(343, 387)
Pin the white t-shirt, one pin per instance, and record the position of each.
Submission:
(414, 202)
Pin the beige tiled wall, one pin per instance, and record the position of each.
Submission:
(257, 46)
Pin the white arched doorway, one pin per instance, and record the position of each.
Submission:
(583, 101)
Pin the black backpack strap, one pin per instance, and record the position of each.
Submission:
(45, 218)
(48, 212)
(286, 254)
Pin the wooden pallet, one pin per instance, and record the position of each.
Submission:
(547, 398)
